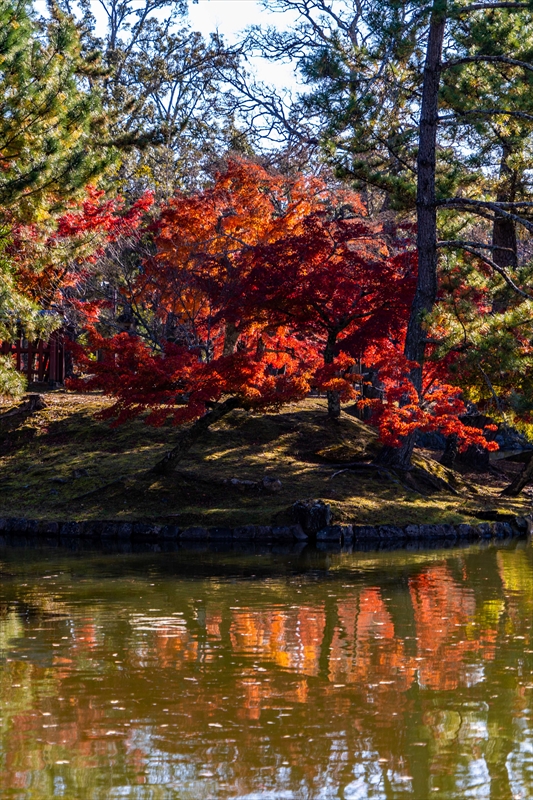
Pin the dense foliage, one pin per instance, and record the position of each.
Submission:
(378, 254)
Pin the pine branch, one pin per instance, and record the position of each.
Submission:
(496, 267)
(490, 7)
(493, 112)
(513, 62)
(464, 242)
(481, 207)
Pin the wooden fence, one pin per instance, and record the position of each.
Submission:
(41, 362)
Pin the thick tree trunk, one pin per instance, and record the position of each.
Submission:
(521, 480)
(426, 289)
(503, 230)
(334, 398)
(191, 435)
(451, 450)
(231, 334)
(504, 241)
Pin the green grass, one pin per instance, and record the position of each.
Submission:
(40, 454)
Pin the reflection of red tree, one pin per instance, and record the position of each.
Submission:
(366, 650)
(290, 637)
(441, 608)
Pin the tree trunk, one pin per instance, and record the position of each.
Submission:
(521, 480)
(451, 449)
(426, 288)
(231, 334)
(503, 230)
(505, 252)
(334, 398)
(191, 435)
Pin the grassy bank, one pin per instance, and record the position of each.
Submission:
(62, 462)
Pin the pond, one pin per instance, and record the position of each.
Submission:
(197, 675)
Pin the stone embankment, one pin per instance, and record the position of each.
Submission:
(312, 526)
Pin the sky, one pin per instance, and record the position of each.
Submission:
(230, 17)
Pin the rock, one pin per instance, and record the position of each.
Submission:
(312, 515)
(430, 440)
(47, 528)
(465, 531)
(363, 533)
(484, 531)
(194, 533)
(221, 533)
(448, 531)
(288, 533)
(520, 524)
(169, 532)
(80, 473)
(143, 530)
(335, 533)
(412, 531)
(244, 532)
(271, 484)
(390, 532)
(432, 531)
(71, 529)
(109, 530)
(17, 525)
(501, 530)
(124, 531)
(252, 532)
(243, 485)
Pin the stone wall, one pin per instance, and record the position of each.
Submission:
(328, 537)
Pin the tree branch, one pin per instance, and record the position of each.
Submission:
(490, 6)
(481, 207)
(513, 62)
(496, 267)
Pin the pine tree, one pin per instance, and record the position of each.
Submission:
(50, 127)
(50, 117)
(428, 102)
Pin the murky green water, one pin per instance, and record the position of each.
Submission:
(374, 675)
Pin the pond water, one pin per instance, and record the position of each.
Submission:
(207, 675)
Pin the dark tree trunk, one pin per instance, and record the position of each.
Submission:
(426, 289)
(503, 230)
(231, 335)
(334, 398)
(505, 252)
(521, 480)
(191, 435)
(451, 450)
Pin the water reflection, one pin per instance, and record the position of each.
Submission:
(383, 676)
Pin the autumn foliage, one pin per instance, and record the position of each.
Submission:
(263, 288)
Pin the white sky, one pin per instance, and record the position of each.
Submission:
(230, 17)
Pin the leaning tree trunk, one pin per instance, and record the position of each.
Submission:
(190, 436)
(521, 480)
(426, 288)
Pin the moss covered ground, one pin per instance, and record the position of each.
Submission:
(63, 462)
